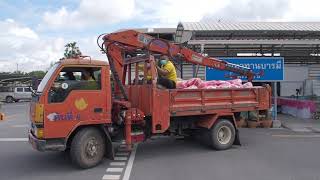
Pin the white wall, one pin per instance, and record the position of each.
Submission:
(294, 76)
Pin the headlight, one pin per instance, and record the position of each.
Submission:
(39, 132)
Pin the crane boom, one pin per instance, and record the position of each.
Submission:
(115, 44)
(131, 40)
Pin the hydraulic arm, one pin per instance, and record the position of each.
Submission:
(115, 44)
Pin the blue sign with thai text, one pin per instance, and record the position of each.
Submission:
(265, 68)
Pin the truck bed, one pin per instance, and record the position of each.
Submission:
(185, 102)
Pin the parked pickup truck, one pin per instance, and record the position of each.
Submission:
(14, 94)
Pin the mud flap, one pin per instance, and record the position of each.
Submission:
(109, 147)
(237, 138)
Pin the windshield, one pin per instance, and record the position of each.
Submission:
(47, 77)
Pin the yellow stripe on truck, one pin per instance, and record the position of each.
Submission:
(39, 114)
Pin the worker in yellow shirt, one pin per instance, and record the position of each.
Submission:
(167, 72)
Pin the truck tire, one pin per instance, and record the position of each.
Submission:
(87, 148)
(222, 135)
(9, 99)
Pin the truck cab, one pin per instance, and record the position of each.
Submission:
(73, 94)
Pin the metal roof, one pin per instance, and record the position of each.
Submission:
(250, 26)
(154, 30)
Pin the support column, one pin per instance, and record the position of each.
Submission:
(275, 99)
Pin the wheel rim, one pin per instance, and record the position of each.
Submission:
(92, 148)
(9, 99)
(224, 135)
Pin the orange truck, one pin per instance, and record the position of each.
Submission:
(83, 105)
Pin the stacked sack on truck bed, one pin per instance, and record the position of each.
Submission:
(197, 83)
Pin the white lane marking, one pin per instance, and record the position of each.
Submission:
(20, 125)
(295, 136)
(123, 149)
(13, 139)
(122, 154)
(18, 105)
(111, 177)
(117, 163)
(127, 172)
(114, 169)
(120, 158)
(9, 116)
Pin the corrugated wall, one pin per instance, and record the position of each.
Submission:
(188, 70)
(314, 71)
(314, 74)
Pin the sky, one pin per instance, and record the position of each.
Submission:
(33, 32)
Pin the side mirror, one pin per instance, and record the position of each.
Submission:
(34, 83)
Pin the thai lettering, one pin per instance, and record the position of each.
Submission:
(63, 117)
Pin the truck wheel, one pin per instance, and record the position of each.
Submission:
(9, 99)
(87, 148)
(222, 135)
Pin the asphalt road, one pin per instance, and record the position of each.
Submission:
(264, 154)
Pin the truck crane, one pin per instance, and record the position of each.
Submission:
(78, 107)
(131, 40)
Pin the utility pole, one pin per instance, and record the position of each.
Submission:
(17, 67)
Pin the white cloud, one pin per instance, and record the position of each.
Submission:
(169, 13)
(23, 46)
(9, 27)
(32, 51)
(90, 12)
(307, 10)
(271, 10)
(106, 12)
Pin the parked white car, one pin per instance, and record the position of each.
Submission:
(15, 94)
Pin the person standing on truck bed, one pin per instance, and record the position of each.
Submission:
(167, 72)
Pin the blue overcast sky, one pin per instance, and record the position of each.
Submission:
(33, 32)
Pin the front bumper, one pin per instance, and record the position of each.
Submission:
(46, 145)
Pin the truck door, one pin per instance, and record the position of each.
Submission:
(27, 93)
(18, 93)
(76, 96)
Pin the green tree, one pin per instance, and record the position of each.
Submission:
(72, 50)
(38, 74)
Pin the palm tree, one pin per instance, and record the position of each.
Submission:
(72, 50)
